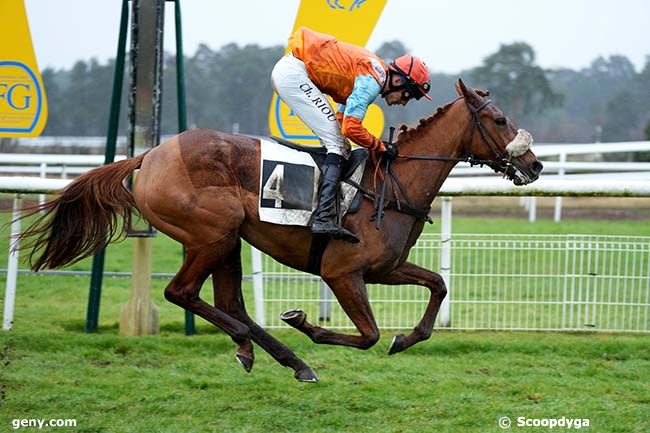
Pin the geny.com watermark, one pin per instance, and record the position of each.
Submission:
(562, 422)
(40, 423)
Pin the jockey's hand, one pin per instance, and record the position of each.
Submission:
(390, 152)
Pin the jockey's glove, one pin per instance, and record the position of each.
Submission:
(390, 151)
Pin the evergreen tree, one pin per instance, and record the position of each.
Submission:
(518, 86)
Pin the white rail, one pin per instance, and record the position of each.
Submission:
(562, 168)
(43, 170)
(31, 185)
(546, 187)
(552, 149)
(53, 159)
(492, 186)
(98, 142)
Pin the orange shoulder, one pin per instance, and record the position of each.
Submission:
(296, 44)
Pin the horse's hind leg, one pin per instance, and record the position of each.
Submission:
(408, 273)
(226, 283)
(226, 280)
(351, 293)
(184, 288)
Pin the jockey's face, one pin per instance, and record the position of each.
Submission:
(396, 97)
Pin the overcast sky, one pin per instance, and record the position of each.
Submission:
(450, 35)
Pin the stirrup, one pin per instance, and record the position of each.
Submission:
(346, 235)
(334, 231)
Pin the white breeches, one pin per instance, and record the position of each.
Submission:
(292, 84)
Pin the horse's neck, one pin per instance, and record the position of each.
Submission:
(442, 137)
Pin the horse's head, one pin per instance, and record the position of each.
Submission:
(492, 137)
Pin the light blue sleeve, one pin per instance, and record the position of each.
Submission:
(340, 108)
(365, 91)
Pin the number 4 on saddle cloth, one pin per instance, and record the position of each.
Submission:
(289, 176)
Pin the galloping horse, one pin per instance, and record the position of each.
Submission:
(201, 188)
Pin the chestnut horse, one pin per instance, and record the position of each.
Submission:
(201, 188)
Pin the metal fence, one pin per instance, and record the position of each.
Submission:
(512, 282)
(496, 282)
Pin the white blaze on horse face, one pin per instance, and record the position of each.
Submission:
(520, 144)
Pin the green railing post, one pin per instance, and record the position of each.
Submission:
(180, 71)
(182, 116)
(94, 296)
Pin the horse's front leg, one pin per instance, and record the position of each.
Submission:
(408, 273)
(350, 291)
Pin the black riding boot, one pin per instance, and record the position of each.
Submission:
(325, 214)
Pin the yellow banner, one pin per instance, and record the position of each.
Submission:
(23, 106)
(350, 21)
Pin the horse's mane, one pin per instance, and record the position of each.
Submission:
(407, 133)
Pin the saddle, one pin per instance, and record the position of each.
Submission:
(318, 153)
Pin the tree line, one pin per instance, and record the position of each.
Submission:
(230, 88)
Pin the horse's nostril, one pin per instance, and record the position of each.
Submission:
(537, 167)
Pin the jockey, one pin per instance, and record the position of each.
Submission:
(353, 77)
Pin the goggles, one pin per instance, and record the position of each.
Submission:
(413, 90)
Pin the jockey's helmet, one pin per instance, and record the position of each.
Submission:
(415, 73)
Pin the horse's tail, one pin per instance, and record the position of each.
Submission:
(88, 214)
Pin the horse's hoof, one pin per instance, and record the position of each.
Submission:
(306, 375)
(294, 318)
(396, 345)
(245, 361)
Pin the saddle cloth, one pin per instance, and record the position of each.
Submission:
(289, 176)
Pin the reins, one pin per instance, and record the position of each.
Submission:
(499, 163)
(470, 159)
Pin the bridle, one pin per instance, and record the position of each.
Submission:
(500, 163)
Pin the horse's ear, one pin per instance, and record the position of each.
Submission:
(467, 92)
(459, 87)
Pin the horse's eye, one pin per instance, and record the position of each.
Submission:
(501, 121)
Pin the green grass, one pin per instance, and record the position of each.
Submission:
(521, 226)
(455, 382)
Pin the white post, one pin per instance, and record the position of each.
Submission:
(325, 307)
(139, 316)
(445, 259)
(532, 212)
(258, 285)
(41, 197)
(64, 171)
(12, 266)
(557, 213)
